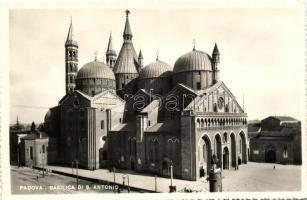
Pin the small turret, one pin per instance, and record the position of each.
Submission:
(111, 53)
(215, 63)
(140, 60)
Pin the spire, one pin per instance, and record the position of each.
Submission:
(215, 50)
(70, 31)
(140, 54)
(127, 31)
(110, 44)
(194, 43)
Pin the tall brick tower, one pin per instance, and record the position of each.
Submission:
(71, 61)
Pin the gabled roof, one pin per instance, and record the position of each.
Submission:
(150, 107)
(167, 126)
(180, 85)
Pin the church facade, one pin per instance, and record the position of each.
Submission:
(148, 118)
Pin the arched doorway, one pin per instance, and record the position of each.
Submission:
(204, 156)
(132, 164)
(165, 168)
(233, 149)
(270, 154)
(225, 158)
(218, 149)
(242, 148)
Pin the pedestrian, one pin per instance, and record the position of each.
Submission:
(273, 166)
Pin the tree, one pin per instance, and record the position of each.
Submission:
(33, 127)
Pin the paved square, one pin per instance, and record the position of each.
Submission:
(252, 177)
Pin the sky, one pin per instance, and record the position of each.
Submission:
(262, 51)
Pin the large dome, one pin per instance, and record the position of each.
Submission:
(95, 69)
(193, 61)
(155, 70)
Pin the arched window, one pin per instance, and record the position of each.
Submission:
(226, 108)
(285, 152)
(214, 107)
(43, 148)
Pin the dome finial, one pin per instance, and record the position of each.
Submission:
(194, 43)
(157, 52)
(96, 53)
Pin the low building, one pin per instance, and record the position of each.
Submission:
(277, 140)
(37, 149)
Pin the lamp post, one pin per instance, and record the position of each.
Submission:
(155, 183)
(43, 159)
(114, 178)
(172, 188)
(128, 186)
(77, 162)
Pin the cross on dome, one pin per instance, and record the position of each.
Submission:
(194, 43)
(157, 52)
(96, 53)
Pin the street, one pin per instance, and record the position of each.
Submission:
(250, 177)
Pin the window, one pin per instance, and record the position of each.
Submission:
(31, 153)
(226, 108)
(123, 85)
(198, 85)
(104, 155)
(93, 92)
(102, 124)
(148, 122)
(120, 120)
(285, 152)
(43, 147)
(214, 107)
(225, 137)
(82, 124)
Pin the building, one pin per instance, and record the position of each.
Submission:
(147, 118)
(37, 149)
(278, 140)
(17, 131)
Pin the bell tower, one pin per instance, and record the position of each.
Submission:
(71, 61)
(215, 64)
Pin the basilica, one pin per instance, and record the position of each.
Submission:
(124, 114)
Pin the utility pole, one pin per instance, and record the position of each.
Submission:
(18, 153)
